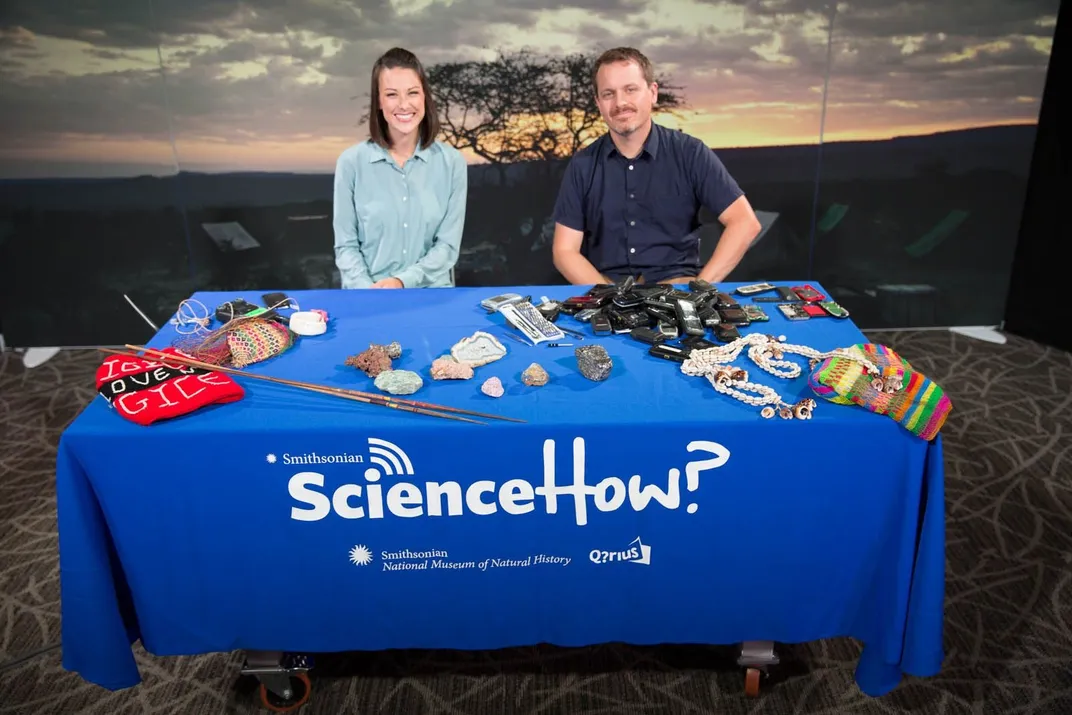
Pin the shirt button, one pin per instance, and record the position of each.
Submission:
(405, 225)
(632, 196)
(403, 198)
(632, 223)
(632, 250)
(630, 167)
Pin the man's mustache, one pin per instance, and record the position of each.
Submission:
(624, 109)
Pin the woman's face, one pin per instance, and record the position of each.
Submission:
(401, 100)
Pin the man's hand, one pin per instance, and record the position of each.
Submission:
(388, 283)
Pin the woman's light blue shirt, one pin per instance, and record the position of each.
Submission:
(393, 222)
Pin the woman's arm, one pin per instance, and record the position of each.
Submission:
(348, 257)
(443, 254)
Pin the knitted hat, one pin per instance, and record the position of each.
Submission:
(920, 405)
(147, 391)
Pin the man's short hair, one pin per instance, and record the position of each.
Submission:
(624, 54)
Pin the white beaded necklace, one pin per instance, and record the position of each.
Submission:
(767, 351)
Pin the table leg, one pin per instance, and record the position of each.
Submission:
(284, 678)
(756, 658)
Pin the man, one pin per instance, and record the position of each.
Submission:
(629, 201)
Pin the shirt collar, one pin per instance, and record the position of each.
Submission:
(651, 144)
(381, 154)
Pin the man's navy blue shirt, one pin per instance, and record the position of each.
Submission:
(640, 216)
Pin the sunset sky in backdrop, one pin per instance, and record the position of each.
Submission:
(271, 85)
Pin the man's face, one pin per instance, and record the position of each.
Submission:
(624, 98)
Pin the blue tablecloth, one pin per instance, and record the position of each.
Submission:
(645, 509)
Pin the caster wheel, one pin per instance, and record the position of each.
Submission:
(751, 682)
(299, 683)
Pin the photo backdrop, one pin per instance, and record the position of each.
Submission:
(155, 149)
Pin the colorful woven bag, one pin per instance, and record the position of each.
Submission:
(909, 397)
(257, 340)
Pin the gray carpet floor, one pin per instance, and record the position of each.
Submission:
(1008, 620)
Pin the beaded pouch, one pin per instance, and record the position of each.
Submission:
(259, 340)
(242, 341)
(899, 392)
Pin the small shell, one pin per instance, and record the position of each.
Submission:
(802, 411)
(786, 413)
(737, 373)
(767, 412)
(878, 384)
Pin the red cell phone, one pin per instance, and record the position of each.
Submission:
(815, 310)
(809, 294)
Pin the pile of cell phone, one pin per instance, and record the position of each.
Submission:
(796, 303)
(660, 314)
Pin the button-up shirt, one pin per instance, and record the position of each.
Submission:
(399, 222)
(640, 216)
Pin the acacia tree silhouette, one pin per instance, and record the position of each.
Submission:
(524, 107)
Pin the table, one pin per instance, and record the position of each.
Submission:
(645, 509)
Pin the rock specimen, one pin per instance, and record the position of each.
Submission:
(492, 387)
(399, 382)
(593, 362)
(478, 349)
(447, 368)
(534, 375)
(372, 361)
(394, 350)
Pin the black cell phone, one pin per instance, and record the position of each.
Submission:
(676, 294)
(775, 299)
(695, 342)
(234, 309)
(699, 285)
(669, 352)
(647, 335)
(627, 300)
(725, 300)
(734, 316)
(277, 300)
(726, 333)
(651, 291)
(689, 319)
(660, 314)
(601, 324)
(787, 294)
(661, 302)
(669, 329)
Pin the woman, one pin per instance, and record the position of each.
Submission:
(400, 195)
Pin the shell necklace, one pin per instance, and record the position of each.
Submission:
(767, 351)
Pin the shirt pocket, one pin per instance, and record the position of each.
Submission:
(671, 198)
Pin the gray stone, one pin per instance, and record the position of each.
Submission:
(594, 362)
(399, 382)
(394, 350)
